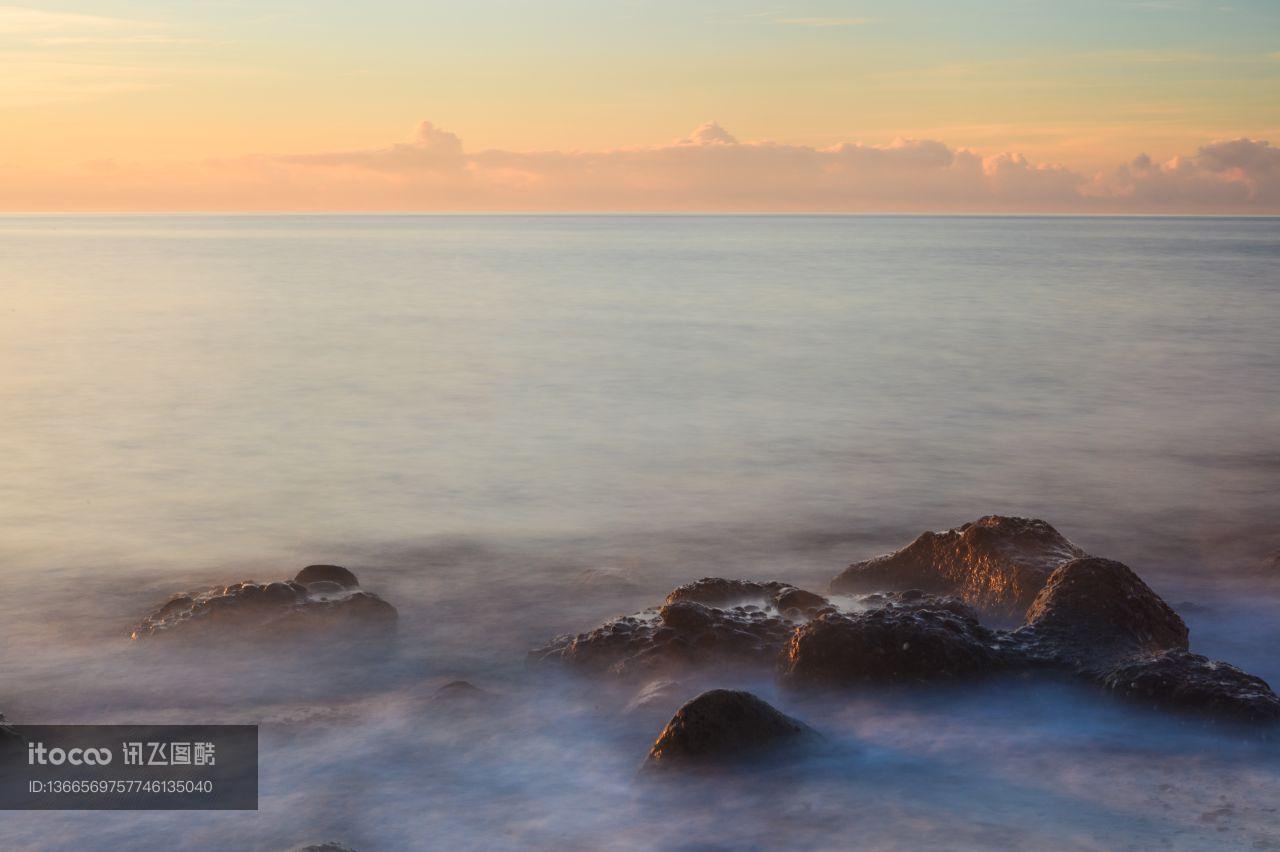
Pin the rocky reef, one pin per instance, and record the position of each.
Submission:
(721, 726)
(320, 599)
(1083, 616)
(995, 564)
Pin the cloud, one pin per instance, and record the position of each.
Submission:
(709, 133)
(709, 170)
(1233, 173)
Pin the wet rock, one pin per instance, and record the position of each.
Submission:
(694, 626)
(724, 725)
(799, 600)
(996, 564)
(331, 573)
(714, 591)
(1094, 613)
(1193, 682)
(277, 610)
(928, 638)
(677, 635)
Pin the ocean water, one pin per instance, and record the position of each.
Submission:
(516, 426)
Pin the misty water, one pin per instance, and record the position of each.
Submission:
(515, 427)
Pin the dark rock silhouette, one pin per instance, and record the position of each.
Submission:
(927, 639)
(996, 564)
(724, 725)
(278, 610)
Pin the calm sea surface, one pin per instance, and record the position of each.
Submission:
(515, 426)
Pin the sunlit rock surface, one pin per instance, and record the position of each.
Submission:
(723, 725)
(321, 599)
(996, 564)
(926, 639)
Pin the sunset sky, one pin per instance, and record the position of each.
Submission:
(1020, 105)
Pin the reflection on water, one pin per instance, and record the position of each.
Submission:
(513, 427)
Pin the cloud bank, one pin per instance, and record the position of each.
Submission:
(709, 170)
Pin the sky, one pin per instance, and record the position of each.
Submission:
(1165, 106)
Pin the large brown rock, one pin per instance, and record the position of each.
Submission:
(1094, 613)
(996, 564)
(269, 611)
(926, 639)
(724, 725)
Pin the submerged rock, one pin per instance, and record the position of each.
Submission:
(1093, 613)
(928, 639)
(724, 725)
(996, 564)
(1189, 681)
(278, 610)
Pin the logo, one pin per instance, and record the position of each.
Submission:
(38, 755)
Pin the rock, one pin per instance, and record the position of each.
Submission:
(724, 725)
(995, 564)
(462, 693)
(929, 638)
(676, 636)
(1189, 681)
(800, 600)
(1094, 613)
(278, 610)
(331, 573)
(714, 591)
(690, 629)
(326, 846)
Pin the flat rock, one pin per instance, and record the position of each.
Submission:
(276, 610)
(995, 564)
(1187, 681)
(724, 725)
(687, 630)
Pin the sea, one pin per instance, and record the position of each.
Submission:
(517, 426)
